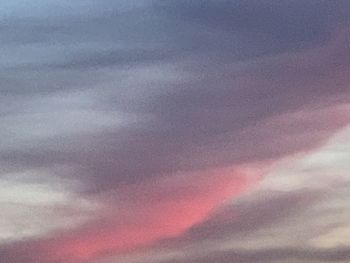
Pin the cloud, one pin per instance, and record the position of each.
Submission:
(152, 109)
(273, 256)
(128, 221)
(297, 213)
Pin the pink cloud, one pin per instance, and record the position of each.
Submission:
(160, 209)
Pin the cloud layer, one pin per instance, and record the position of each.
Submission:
(137, 130)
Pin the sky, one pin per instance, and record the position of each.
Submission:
(163, 131)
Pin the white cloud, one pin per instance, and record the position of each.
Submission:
(30, 209)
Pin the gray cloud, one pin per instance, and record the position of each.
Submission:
(217, 102)
(273, 255)
(249, 81)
